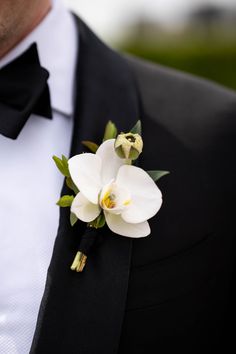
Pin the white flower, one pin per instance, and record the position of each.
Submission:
(127, 194)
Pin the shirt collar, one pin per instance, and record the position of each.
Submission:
(57, 41)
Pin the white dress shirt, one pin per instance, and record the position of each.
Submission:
(30, 184)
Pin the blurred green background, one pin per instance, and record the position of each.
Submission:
(205, 45)
(197, 36)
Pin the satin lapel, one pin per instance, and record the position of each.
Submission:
(83, 313)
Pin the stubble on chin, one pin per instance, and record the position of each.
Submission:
(17, 20)
(8, 29)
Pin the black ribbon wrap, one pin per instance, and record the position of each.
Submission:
(87, 241)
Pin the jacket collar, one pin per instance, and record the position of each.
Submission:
(85, 311)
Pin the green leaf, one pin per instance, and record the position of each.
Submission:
(73, 219)
(98, 222)
(65, 201)
(156, 175)
(71, 185)
(59, 164)
(90, 145)
(110, 131)
(137, 129)
(62, 165)
(66, 167)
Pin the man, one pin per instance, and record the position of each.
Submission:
(178, 283)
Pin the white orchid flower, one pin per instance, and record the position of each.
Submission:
(127, 194)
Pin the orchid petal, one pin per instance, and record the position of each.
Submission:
(146, 197)
(110, 160)
(85, 171)
(84, 209)
(121, 227)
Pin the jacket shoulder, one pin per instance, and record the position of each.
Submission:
(156, 80)
(189, 106)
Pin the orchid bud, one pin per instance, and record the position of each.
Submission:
(128, 146)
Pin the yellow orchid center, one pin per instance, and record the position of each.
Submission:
(114, 198)
(108, 200)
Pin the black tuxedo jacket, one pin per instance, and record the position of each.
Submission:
(178, 283)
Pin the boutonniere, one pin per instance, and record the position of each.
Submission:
(108, 188)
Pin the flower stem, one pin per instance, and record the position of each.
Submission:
(128, 162)
(79, 262)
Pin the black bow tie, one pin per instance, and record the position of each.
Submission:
(23, 91)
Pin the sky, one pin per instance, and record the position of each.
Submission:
(108, 17)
